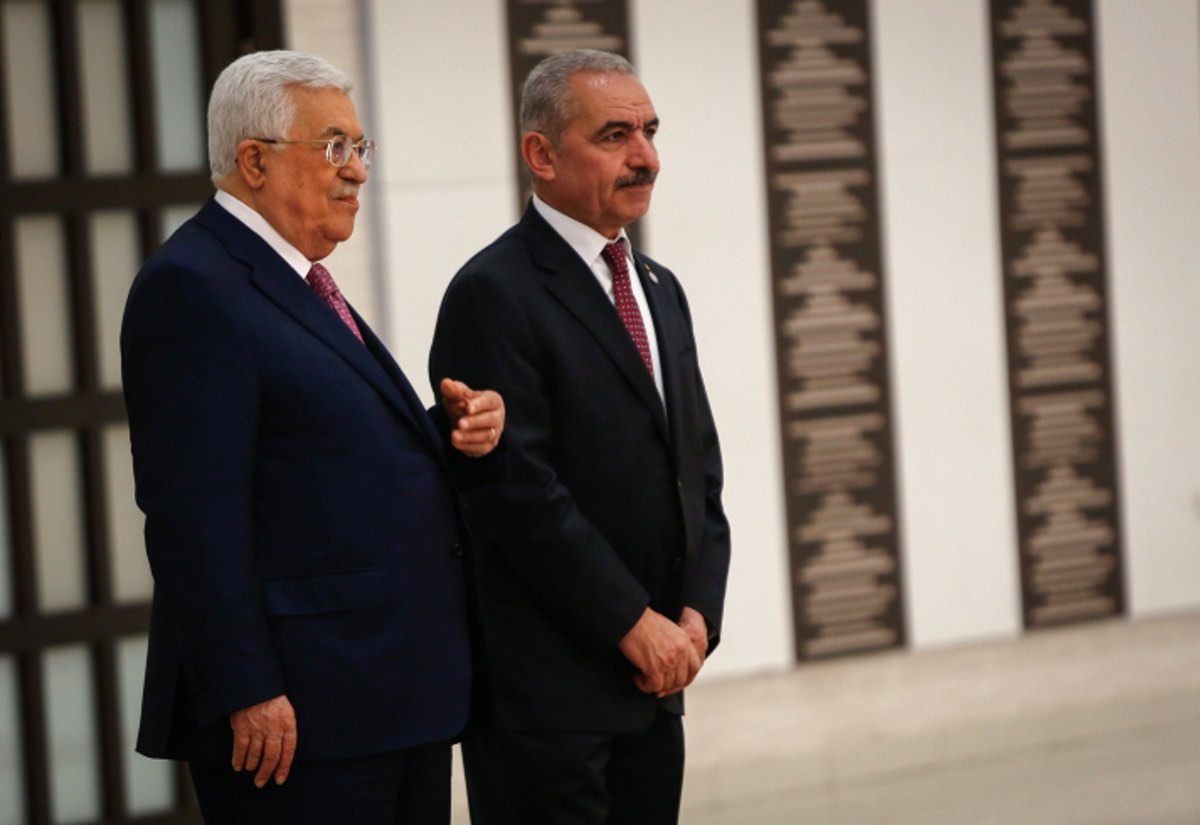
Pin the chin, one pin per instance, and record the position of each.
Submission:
(638, 203)
(633, 214)
(340, 232)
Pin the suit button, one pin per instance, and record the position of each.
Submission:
(679, 562)
(458, 550)
(679, 483)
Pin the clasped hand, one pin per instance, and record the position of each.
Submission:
(667, 655)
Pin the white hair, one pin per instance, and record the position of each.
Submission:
(252, 99)
(547, 99)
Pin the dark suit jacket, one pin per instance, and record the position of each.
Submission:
(611, 503)
(300, 521)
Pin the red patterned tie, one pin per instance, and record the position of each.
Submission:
(322, 283)
(627, 308)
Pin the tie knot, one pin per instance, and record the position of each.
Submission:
(321, 281)
(614, 256)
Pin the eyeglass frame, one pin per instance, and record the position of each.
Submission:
(356, 148)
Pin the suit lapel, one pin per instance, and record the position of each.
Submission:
(575, 286)
(279, 282)
(669, 329)
(384, 359)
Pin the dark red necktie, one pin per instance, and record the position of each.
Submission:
(323, 284)
(627, 308)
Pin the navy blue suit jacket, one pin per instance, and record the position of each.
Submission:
(612, 499)
(300, 521)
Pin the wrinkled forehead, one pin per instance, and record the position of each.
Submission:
(598, 96)
(324, 112)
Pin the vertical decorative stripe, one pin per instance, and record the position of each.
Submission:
(831, 341)
(538, 29)
(1056, 308)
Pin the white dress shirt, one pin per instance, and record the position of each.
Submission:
(257, 224)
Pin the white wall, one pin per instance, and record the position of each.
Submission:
(708, 223)
(444, 187)
(444, 171)
(1150, 75)
(944, 290)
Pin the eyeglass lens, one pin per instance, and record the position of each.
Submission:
(341, 147)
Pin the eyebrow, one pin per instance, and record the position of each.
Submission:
(623, 124)
(334, 131)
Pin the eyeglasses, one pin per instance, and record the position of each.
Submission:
(338, 149)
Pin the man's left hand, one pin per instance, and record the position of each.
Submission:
(696, 628)
(477, 417)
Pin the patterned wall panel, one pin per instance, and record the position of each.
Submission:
(538, 29)
(831, 337)
(1056, 306)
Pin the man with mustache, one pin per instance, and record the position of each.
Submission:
(602, 555)
(308, 648)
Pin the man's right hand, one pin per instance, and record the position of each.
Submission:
(663, 653)
(264, 737)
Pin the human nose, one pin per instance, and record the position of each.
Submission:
(643, 154)
(354, 169)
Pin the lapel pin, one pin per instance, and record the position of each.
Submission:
(653, 277)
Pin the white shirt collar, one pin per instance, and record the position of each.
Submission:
(587, 242)
(257, 224)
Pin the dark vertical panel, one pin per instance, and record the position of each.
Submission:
(139, 65)
(104, 653)
(67, 87)
(219, 38)
(227, 28)
(830, 331)
(4, 150)
(265, 30)
(11, 364)
(1056, 308)
(30, 681)
(231, 28)
(83, 333)
(538, 29)
(34, 751)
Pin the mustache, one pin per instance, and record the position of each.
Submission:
(345, 191)
(641, 177)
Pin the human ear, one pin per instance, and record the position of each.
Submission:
(539, 155)
(252, 163)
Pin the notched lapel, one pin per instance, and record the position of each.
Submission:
(574, 285)
(282, 286)
(272, 276)
(670, 330)
(388, 364)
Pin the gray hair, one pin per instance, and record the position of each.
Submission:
(548, 101)
(252, 98)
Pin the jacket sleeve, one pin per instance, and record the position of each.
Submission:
(484, 338)
(191, 390)
(708, 573)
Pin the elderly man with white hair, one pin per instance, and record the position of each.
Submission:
(308, 644)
